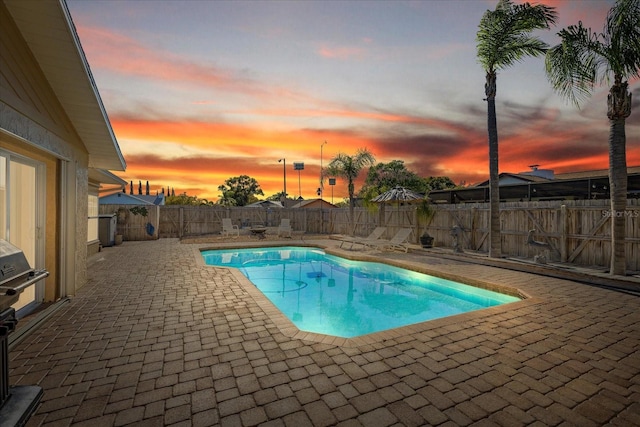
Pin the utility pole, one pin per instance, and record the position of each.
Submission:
(298, 166)
(284, 169)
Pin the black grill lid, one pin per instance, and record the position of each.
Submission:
(13, 263)
(15, 274)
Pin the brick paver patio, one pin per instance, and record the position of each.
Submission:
(158, 339)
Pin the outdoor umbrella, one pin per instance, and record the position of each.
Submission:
(398, 195)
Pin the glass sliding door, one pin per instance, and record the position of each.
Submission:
(4, 163)
(22, 215)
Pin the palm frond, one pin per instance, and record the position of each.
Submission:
(584, 58)
(363, 157)
(518, 48)
(622, 33)
(503, 36)
(575, 65)
(527, 18)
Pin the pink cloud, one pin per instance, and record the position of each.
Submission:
(125, 56)
(341, 52)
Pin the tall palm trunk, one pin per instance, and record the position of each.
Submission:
(495, 242)
(619, 108)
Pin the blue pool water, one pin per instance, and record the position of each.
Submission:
(330, 295)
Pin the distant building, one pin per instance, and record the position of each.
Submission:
(265, 204)
(132, 199)
(542, 184)
(313, 204)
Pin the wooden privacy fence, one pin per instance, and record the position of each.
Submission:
(181, 221)
(133, 224)
(576, 232)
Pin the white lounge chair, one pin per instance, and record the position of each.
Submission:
(397, 242)
(284, 229)
(228, 228)
(374, 236)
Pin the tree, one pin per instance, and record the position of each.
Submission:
(349, 167)
(440, 183)
(227, 199)
(581, 61)
(503, 38)
(241, 189)
(184, 199)
(277, 197)
(385, 176)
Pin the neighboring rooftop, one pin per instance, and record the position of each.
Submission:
(542, 185)
(121, 198)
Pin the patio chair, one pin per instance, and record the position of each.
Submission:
(285, 227)
(228, 228)
(397, 242)
(375, 235)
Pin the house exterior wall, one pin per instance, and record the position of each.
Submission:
(33, 124)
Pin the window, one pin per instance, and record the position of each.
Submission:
(92, 232)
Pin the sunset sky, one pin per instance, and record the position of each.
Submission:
(201, 91)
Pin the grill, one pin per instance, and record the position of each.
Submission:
(17, 403)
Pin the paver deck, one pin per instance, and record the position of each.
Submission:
(156, 338)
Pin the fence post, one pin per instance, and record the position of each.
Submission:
(563, 233)
(181, 229)
(157, 236)
(472, 241)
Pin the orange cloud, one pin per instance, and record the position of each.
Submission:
(235, 138)
(231, 150)
(428, 146)
(201, 176)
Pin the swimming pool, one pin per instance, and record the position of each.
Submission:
(326, 294)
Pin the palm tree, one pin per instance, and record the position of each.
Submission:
(584, 59)
(503, 39)
(349, 167)
(227, 198)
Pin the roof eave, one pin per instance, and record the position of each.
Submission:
(48, 30)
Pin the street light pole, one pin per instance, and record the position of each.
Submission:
(321, 171)
(284, 171)
(332, 183)
(298, 166)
